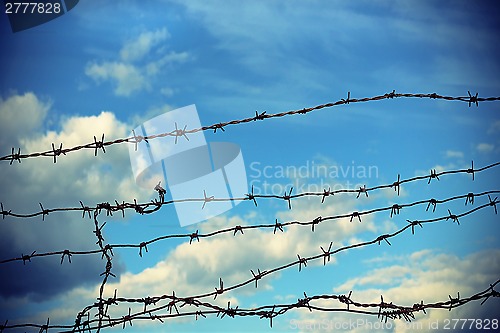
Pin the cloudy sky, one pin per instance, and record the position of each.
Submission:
(107, 67)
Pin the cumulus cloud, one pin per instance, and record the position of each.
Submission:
(195, 268)
(425, 275)
(77, 176)
(128, 78)
(139, 61)
(20, 115)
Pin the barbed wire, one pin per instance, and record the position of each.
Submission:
(98, 145)
(97, 315)
(395, 312)
(277, 226)
(155, 205)
(385, 310)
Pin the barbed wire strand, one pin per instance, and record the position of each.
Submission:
(394, 210)
(385, 310)
(155, 205)
(98, 145)
(396, 312)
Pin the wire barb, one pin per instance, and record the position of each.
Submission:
(473, 99)
(302, 261)
(396, 184)
(16, 156)
(194, 236)
(251, 196)
(326, 254)
(453, 217)
(68, 254)
(99, 145)
(57, 151)
(355, 214)
(493, 203)
(325, 194)
(206, 199)
(433, 175)
(287, 197)
(177, 133)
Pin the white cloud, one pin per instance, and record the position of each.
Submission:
(133, 71)
(454, 154)
(128, 78)
(154, 67)
(485, 148)
(425, 275)
(192, 269)
(20, 115)
(137, 48)
(77, 176)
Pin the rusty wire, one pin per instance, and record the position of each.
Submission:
(385, 310)
(394, 210)
(98, 145)
(96, 316)
(155, 205)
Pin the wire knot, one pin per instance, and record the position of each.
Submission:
(473, 99)
(348, 100)
(99, 145)
(277, 226)
(141, 246)
(325, 194)
(493, 203)
(219, 126)
(355, 214)
(317, 220)
(469, 198)
(66, 253)
(346, 299)
(413, 224)
(257, 276)
(304, 302)
(302, 261)
(238, 228)
(27, 257)
(251, 196)
(57, 151)
(287, 197)
(258, 116)
(326, 254)
(395, 209)
(396, 184)
(220, 290)
(43, 211)
(391, 94)
(16, 156)
(362, 190)
(194, 236)
(471, 170)
(4, 212)
(453, 217)
(137, 139)
(179, 132)
(383, 237)
(433, 175)
(432, 202)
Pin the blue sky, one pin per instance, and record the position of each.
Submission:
(106, 67)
